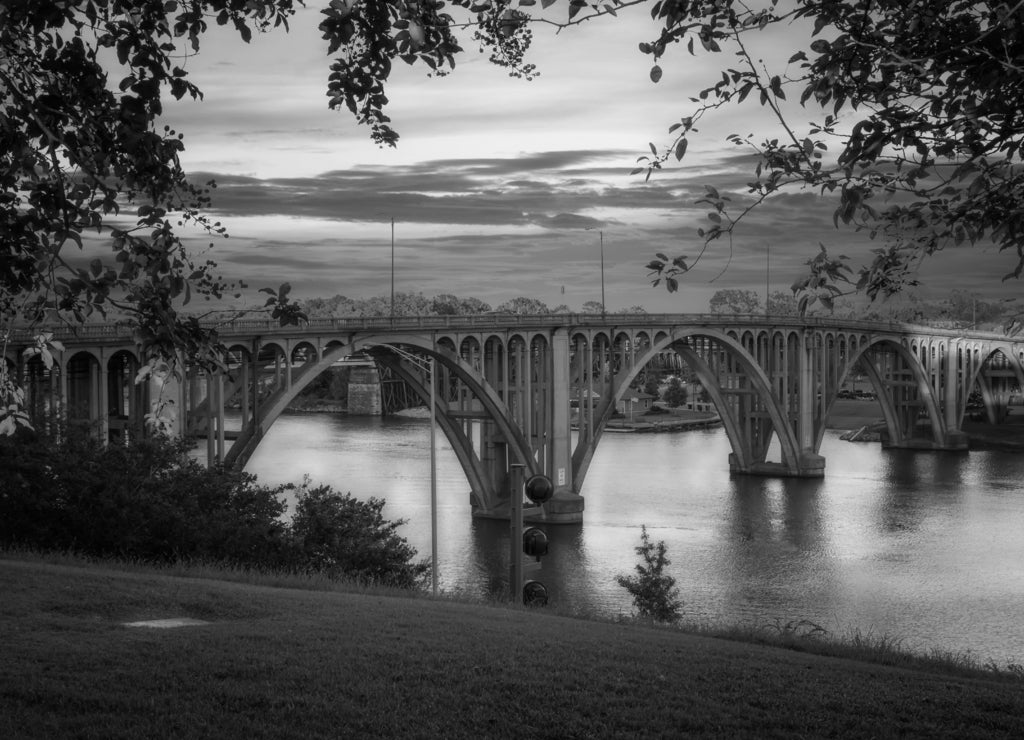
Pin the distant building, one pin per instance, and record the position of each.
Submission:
(635, 402)
(587, 396)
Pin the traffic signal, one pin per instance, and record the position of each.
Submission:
(535, 542)
(535, 594)
(539, 489)
(532, 542)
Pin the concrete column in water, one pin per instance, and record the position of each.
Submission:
(566, 505)
(810, 464)
(955, 437)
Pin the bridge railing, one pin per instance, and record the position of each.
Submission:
(248, 327)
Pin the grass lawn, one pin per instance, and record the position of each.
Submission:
(289, 663)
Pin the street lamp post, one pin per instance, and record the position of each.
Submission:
(601, 235)
(392, 268)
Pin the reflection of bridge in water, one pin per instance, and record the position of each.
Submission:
(504, 384)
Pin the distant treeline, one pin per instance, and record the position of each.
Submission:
(446, 304)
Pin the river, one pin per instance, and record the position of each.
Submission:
(922, 547)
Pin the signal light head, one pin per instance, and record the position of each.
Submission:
(539, 489)
(535, 594)
(535, 542)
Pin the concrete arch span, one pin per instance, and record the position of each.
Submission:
(749, 436)
(901, 384)
(470, 412)
(996, 381)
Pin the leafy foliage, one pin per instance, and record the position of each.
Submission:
(146, 500)
(81, 153)
(84, 153)
(655, 596)
(781, 303)
(675, 392)
(732, 300)
(524, 306)
(935, 91)
(339, 535)
(149, 501)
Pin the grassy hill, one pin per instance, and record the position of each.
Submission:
(289, 663)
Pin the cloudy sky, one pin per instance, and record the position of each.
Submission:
(498, 187)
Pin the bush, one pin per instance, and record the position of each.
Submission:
(148, 500)
(339, 535)
(654, 594)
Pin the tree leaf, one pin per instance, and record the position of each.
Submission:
(681, 149)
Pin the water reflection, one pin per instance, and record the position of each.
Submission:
(923, 546)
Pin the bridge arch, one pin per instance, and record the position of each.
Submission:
(995, 380)
(749, 442)
(457, 373)
(901, 383)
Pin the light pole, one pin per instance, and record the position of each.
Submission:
(601, 235)
(392, 268)
(428, 365)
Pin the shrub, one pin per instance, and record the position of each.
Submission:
(655, 596)
(339, 535)
(148, 500)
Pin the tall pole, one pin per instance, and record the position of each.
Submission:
(767, 272)
(392, 267)
(433, 477)
(601, 233)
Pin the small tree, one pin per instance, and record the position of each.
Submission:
(655, 596)
(675, 392)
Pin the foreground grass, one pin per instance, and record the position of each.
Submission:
(284, 662)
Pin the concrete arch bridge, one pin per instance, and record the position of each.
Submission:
(505, 386)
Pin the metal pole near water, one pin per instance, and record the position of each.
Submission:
(433, 476)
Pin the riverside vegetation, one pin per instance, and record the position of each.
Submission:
(149, 501)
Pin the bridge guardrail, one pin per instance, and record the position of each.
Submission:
(124, 331)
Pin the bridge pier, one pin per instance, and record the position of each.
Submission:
(810, 465)
(953, 441)
(565, 507)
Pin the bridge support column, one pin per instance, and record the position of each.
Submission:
(103, 408)
(566, 506)
(809, 463)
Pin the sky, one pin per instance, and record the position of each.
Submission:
(499, 187)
